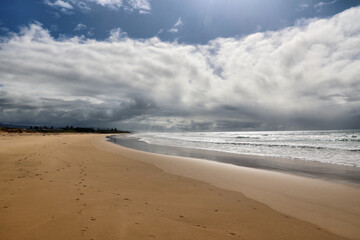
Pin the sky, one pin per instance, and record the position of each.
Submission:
(156, 65)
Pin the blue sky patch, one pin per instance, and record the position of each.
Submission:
(187, 21)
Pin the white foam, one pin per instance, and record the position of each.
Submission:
(340, 147)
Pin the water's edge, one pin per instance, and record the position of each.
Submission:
(333, 172)
(341, 147)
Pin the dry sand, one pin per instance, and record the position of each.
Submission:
(80, 187)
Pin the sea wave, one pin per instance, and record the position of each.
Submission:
(337, 147)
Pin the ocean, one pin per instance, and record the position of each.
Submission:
(340, 147)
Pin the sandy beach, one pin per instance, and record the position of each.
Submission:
(82, 187)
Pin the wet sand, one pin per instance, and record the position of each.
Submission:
(82, 187)
(342, 174)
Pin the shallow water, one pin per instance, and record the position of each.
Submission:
(334, 172)
(341, 147)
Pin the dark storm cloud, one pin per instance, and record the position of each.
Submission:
(305, 76)
(60, 112)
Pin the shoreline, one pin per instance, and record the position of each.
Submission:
(82, 187)
(313, 169)
(334, 206)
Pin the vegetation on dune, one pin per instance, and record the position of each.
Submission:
(67, 129)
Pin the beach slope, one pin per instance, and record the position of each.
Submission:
(71, 187)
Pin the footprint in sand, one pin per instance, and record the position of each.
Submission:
(93, 219)
(200, 226)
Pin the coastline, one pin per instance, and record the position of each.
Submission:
(83, 187)
(332, 205)
(333, 172)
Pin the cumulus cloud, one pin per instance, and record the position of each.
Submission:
(306, 76)
(143, 6)
(176, 26)
(83, 6)
(117, 34)
(322, 4)
(63, 6)
(161, 30)
(80, 27)
(303, 5)
(179, 22)
(173, 30)
(109, 3)
(3, 28)
(88, 31)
